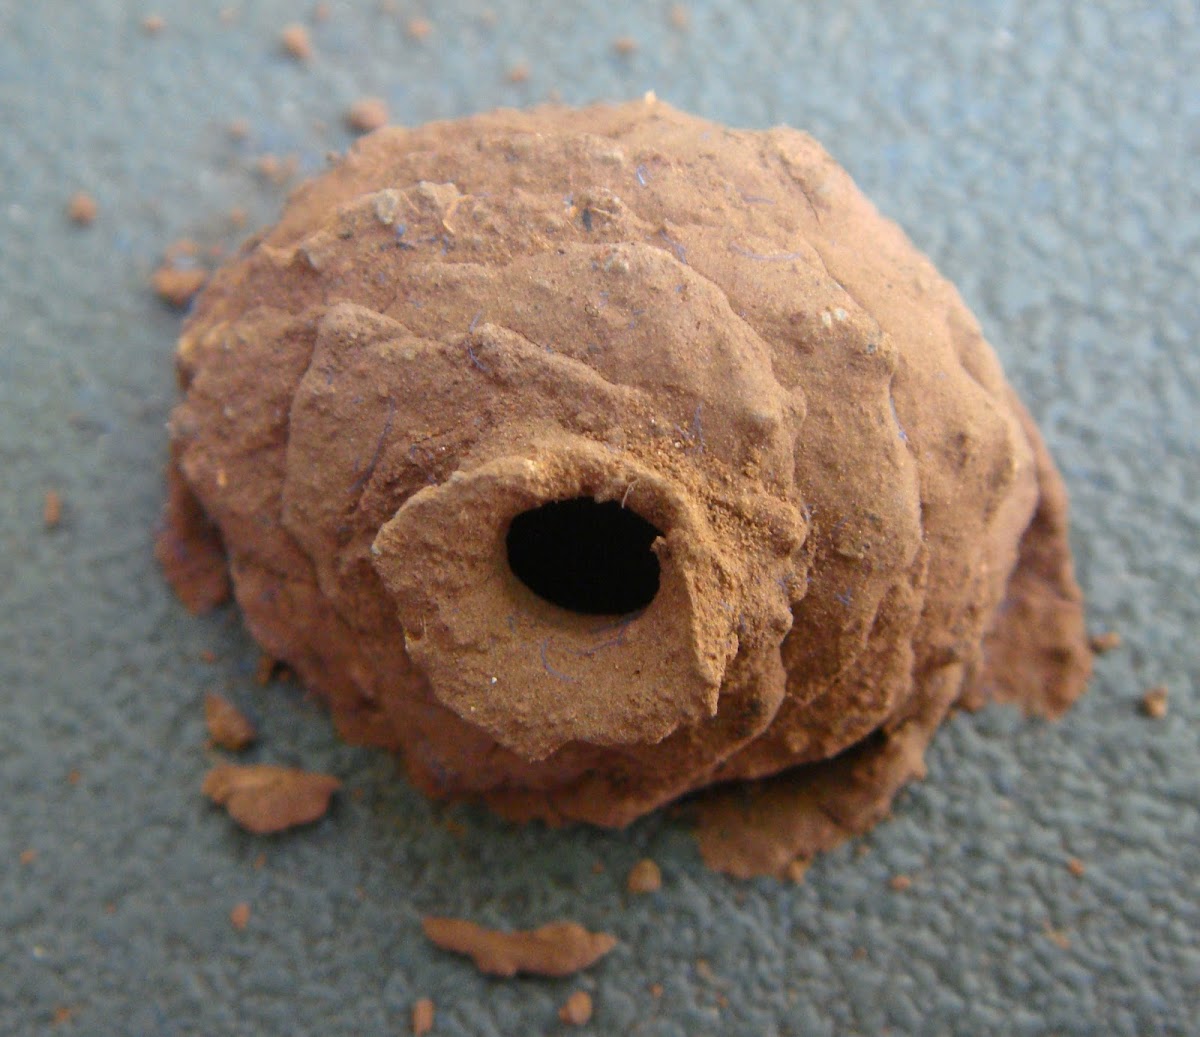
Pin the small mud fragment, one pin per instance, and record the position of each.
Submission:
(367, 114)
(239, 917)
(577, 1009)
(82, 209)
(1154, 702)
(178, 286)
(264, 671)
(422, 1016)
(52, 509)
(795, 870)
(263, 798)
(228, 726)
(556, 949)
(644, 877)
(296, 42)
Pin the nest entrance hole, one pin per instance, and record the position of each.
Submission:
(584, 555)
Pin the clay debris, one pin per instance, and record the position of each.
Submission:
(1154, 702)
(178, 286)
(263, 798)
(423, 1014)
(239, 915)
(82, 209)
(52, 509)
(644, 877)
(577, 1009)
(556, 949)
(228, 726)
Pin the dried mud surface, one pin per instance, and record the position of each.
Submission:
(860, 525)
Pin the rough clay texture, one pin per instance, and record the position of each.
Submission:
(458, 323)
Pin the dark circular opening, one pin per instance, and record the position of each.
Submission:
(585, 555)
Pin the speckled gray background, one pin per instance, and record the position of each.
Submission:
(1044, 153)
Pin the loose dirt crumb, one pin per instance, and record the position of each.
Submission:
(264, 799)
(422, 1016)
(153, 24)
(1076, 867)
(577, 1010)
(656, 990)
(239, 917)
(208, 656)
(82, 209)
(74, 776)
(557, 949)
(265, 670)
(519, 73)
(1154, 702)
(228, 726)
(296, 42)
(63, 1014)
(52, 509)
(797, 869)
(177, 286)
(322, 13)
(259, 862)
(1057, 937)
(644, 877)
(1105, 642)
(367, 114)
(419, 28)
(624, 45)
(680, 17)
(28, 856)
(900, 883)
(275, 169)
(180, 248)
(239, 129)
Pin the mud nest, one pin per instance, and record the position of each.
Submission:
(590, 457)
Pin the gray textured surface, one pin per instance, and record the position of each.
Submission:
(1046, 161)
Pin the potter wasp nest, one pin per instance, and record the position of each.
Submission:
(591, 457)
